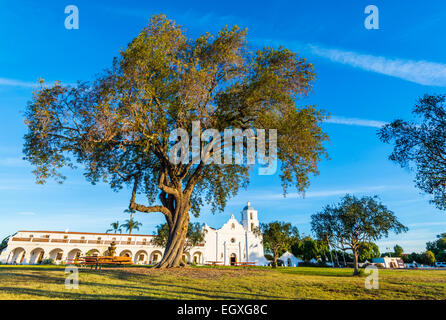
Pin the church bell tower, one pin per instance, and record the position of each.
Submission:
(249, 217)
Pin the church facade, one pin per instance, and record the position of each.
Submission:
(233, 243)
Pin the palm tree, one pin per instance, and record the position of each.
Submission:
(115, 226)
(131, 224)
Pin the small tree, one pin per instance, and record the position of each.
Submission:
(354, 222)
(428, 258)
(368, 251)
(115, 227)
(422, 146)
(438, 247)
(131, 224)
(308, 249)
(195, 236)
(278, 237)
(398, 251)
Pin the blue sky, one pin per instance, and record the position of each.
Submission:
(365, 78)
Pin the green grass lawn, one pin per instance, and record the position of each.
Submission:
(48, 282)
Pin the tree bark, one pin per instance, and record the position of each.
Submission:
(355, 261)
(173, 252)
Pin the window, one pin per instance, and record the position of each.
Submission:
(65, 237)
(99, 238)
(59, 256)
(252, 226)
(233, 226)
(31, 236)
(82, 238)
(232, 240)
(250, 216)
(46, 236)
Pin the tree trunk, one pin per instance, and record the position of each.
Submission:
(173, 252)
(355, 261)
(275, 257)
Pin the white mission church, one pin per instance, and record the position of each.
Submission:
(234, 242)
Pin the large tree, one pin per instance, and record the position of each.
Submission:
(195, 235)
(354, 222)
(278, 237)
(421, 145)
(118, 126)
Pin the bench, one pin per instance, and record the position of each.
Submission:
(99, 261)
(214, 263)
(245, 264)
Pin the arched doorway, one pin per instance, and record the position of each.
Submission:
(233, 259)
(18, 255)
(56, 255)
(36, 256)
(93, 252)
(186, 257)
(141, 257)
(155, 257)
(74, 254)
(197, 258)
(126, 253)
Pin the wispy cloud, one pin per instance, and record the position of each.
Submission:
(27, 213)
(13, 162)
(322, 193)
(356, 122)
(17, 83)
(421, 72)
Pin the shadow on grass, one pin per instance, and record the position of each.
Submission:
(156, 288)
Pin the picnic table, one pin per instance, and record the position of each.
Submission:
(214, 263)
(245, 264)
(99, 261)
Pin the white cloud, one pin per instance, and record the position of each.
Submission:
(356, 122)
(17, 83)
(421, 72)
(12, 162)
(322, 193)
(27, 213)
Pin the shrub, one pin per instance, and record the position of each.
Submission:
(47, 261)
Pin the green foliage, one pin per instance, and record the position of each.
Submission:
(368, 251)
(354, 222)
(4, 242)
(195, 235)
(308, 249)
(438, 247)
(398, 251)
(428, 258)
(131, 224)
(422, 146)
(115, 227)
(47, 262)
(278, 237)
(118, 126)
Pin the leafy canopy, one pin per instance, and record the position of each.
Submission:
(421, 146)
(195, 235)
(117, 127)
(355, 221)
